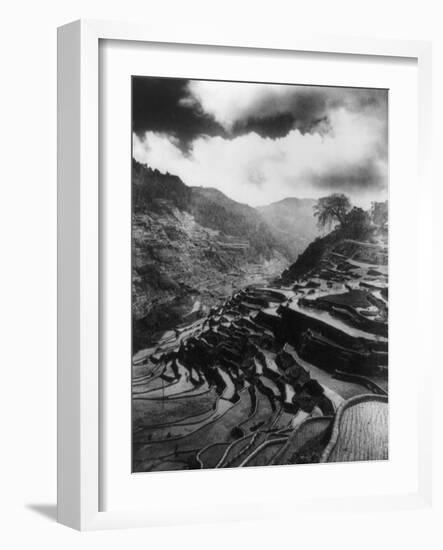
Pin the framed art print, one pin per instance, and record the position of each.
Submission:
(234, 234)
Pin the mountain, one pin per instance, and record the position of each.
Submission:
(155, 192)
(293, 373)
(192, 247)
(292, 222)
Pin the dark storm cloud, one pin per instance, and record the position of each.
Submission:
(168, 106)
(355, 178)
(276, 126)
(272, 126)
(307, 109)
(156, 107)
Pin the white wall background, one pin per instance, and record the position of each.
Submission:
(28, 269)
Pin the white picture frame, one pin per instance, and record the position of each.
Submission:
(79, 253)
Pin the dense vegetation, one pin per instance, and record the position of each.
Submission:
(352, 223)
(210, 208)
(310, 258)
(151, 187)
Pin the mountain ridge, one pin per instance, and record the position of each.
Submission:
(191, 249)
(209, 206)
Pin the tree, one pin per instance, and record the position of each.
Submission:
(379, 213)
(332, 209)
(357, 224)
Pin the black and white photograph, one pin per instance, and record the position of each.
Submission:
(259, 274)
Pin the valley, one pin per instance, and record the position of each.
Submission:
(281, 374)
(192, 248)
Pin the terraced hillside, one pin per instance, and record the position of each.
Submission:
(192, 247)
(274, 374)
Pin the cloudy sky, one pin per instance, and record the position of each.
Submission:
(259, 143)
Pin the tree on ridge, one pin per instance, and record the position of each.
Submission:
(332, 208)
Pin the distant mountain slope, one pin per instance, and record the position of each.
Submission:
(192, 247)
(292, 222)
(213, 209)
(209, 206)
